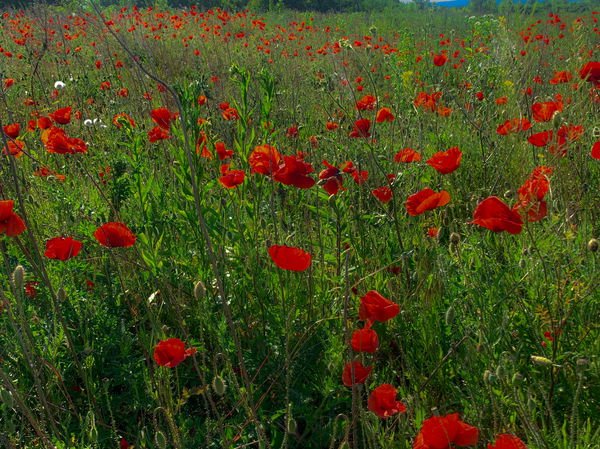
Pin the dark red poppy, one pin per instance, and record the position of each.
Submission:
(384, 115)
(446, 162)
(162, 117)
(440, 60)
(360, 373)
(290, 258)
(544, 112)
(407, 155)
(10, 223)
(383, 194)
(382, 401)
(12, 130)
(541, 139)
(507, 441)
(292, 132)
(61, 116)
(494, 214)
(265, 160)
(376, 307)
(444, 432)
(332, 177)
(230, 179)
(115, 235)
(591, 72)
(123, 444)
(62, 248)
(426, 200)
(171, 352)
(31, 290)
(596, 150)
(157, 133)
(365, 340)
(294, 172)
(361, 128)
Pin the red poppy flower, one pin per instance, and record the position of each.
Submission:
(230, 179)
(365, 340)
(294, 172)
(171, 352)
(382, 401)
(561, 77)
(222, 151)
(507, 441)
(375, 307)
(433, 232)
(366, 103)
(10, 223)
(123, 119)
(31, 290)
(501, 100)
(591, 72)
(426, 200)
(407, 155)
(61, 116)
(157, 133)
(361, 128)
(292, 132)
(230, 114)
(12, 130)
(290, 258)
(162, 117)
(115, 235)
(332, 177)
(44, 123)
(360, 373)
(513, 126)
(596, 150)
(14, 148)
(56, 141)
(123, 444)
(202, 100)
(384, 115)
(441, 432)
(541, 139)
(543, 112)
(427, 101)
(383, 194)
(494, 214)
(331, 126)
(61, 248)
(446, 161)
(440, 60)
(265, 159)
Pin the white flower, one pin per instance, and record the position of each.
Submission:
(87, 122)
(59, 85)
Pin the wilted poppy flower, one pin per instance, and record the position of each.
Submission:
(382, 401)
(596, 150)
(446, 162)
(162, 117)
(360, 373)
(12, 130)
(294, 172)
(444, 432)
(426, 200)
(507, 441)
(361, 128)
(171, 352)
(591, 72)
(290, 258)
(61, 116)
(230, 179)
(407, 155)
(123, 119)
(10, 223)
(384, 115)
(62, 248)
(427, 101)
(543, 112)
(494, 214)
(157, 133)
(383, 194)
(376, 307)
(115, 235)
(265, 159)
(365, 340)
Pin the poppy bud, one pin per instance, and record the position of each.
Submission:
(522, 264)
(455, 238)
(292, 426)
(517, 379)
(593, 245)
(7, 398)
(486, 376)
(508, 194)
(219, 385)
(499, 371)
(17, 278)
(531, 403)
(160, 439)
(93, 434)
(199, 290)
(541, 361)
(450, 315)
(61, 295)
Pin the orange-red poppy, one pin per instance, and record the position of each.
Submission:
(494, 214)
(382, 401)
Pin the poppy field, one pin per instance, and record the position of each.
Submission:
(299, 230)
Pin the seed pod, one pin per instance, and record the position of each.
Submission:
(593, 245)
(199, 290)
(61, 295)
(455, 238)
(160, 439)
(219, 385)
(486, 376)
(292, 426)
(18, 277)
(541, 361)
(450, 315)
(499, 371)
(522, 264)
(517, 379)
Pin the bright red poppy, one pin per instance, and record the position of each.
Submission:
(14, 148)
(446, 162)
(407, 155)
(445, 432)
(265, 159)
(62, 248)
(290, 258)
(56, 141)
(382, 401)
(440, 60)
(294, 172)
(10, 223)
(157, 133)
(366, 103)
(12, 130)
(541, 139)
(384, 115)
(596, 150)
(332, 178)
(365, 340)
(230, 179)
(61, 116)
(360, 373)
(426, 200)
(376, 307)
(361, 128)
(119, 120)
(222, 151)
(171, 352)
(494, 214)
(162, 117)
(383, 194)
(507, 441)
(513, 126)
(591, 72)
(115, 235)
(544, 112)
(561, 77)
